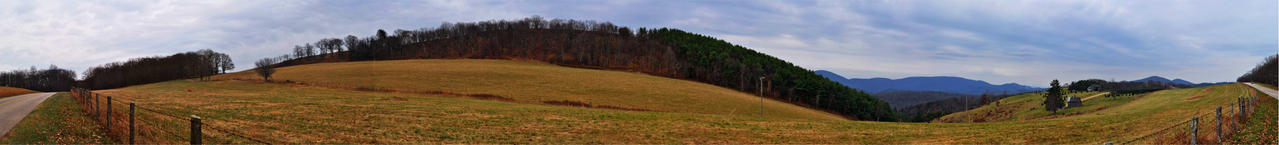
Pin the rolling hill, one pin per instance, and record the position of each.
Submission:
(533, 82)
(1025, 107)
(665, 52)
(946, 84)
(530, 81)
(294, 112)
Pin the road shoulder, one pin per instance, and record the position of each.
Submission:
(1265, 90)
(56, 121)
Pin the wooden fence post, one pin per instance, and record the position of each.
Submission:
(108, 114)
(195, 130)
(1194, 130)
(1243, 111)
(95, 107)
(132, 131)
(1219, 124)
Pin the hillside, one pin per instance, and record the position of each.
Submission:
(538, 83)
(8, 91)
(946, 84)
(1027, 106)
(665, 52)
(289, 113)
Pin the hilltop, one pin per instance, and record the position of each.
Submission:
(665, 52)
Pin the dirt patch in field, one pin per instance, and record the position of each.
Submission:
(1194, 98)
(580, 104)
(490, 97)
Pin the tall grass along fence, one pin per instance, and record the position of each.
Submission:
(1205, 127)
(128, 122)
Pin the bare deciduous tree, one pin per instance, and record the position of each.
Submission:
(265, 68)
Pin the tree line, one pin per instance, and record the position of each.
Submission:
(936, 109)
(1124, 87)
(51, 79)
(198, 64)
(565, 42)
(602, 45)
(1265, 72)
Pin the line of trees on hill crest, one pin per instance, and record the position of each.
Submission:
(1266, 72)
(52, 79)
(198, 64)
(663, 52)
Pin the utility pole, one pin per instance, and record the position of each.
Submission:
(761, 96)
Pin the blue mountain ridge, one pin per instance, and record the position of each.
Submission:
(947, 84)
(1158, 79)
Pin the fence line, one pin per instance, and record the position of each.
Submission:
(137, 127)
(1158, 132)
(1207, 126)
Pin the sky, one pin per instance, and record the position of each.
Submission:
(1003, 41)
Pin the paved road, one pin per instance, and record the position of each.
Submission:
(1268, 91)
(13, 109)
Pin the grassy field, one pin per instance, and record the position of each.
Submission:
(532, 82)
(57, 120)
(8, 91)
(283, 113)
(1029, 106)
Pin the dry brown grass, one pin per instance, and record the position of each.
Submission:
(534, 82)
(10, 91)
(282, 113)
(286, 114)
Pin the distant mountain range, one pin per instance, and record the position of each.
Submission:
(1158, 79)
(903, 99)
(945, 84)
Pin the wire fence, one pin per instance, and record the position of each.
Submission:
(1206, 126)
(132, 123)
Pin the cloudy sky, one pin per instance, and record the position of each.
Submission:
(1027, 42)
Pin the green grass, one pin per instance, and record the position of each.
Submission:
(1029, 106)
(1261, 128)
(302, 114)
(57, 120)
(538, 82)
